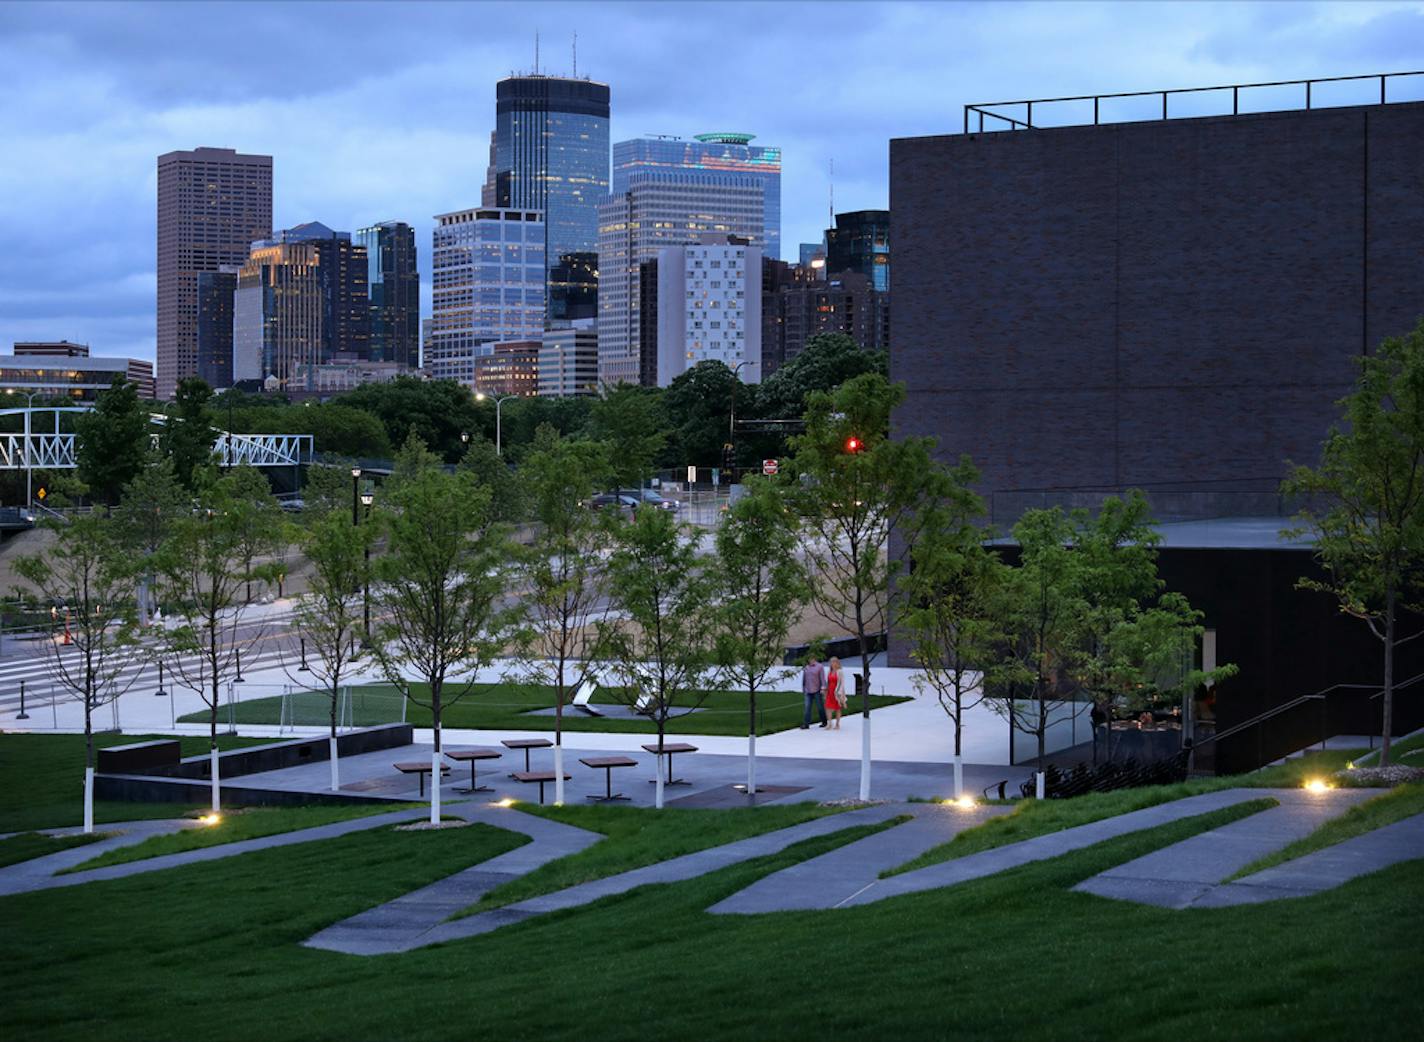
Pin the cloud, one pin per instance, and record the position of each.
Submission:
(383, 111)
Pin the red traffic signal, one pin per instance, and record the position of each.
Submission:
(854, 444)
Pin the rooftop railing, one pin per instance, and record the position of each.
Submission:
(1021, 113)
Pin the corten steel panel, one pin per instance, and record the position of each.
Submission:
(1169, 303)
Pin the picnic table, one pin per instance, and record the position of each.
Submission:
(526, 744)
(607, 763)
(420, 768)
(473, 756)
(669, 748)
(537, 776)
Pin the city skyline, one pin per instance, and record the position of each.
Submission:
(409, 138)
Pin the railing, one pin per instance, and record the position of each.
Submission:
(1025, 108)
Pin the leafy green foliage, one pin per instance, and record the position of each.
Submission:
(111, 444)
(188, 437)
(435, 411)
(491, 471)
(629, 420)
(330, 614)
(827, 361)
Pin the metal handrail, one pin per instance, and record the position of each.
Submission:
(982, 108)
(1324, 693)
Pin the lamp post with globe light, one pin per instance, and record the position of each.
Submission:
(499, 401)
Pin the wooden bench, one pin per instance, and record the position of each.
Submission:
(669, 748)
(537, 776)
(607, 763)
(473, 756)
(526, 744)
(420, 769)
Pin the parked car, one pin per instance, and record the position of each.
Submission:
(615, 501)
(651, 497)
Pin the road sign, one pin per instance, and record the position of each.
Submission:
(768, 467)
(41, 493)
(692, 475)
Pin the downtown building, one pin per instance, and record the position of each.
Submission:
(799, 302)
(568, 360)
(658, 209)
(860, 242)
(63, 369)
(300, 301)
(1174, 305)
(488, 279)
(549, 152)
(393, 287)
(702, 304)
(212, 204)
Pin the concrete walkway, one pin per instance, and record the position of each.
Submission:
(35, 873)
(402, 924)
(835, 877)
(676, 870)
(38, 873)
(1180, 875)
(1000, 859)
(1327, 868)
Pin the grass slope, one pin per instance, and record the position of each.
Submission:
(1013, 956)
(28, 845)
(42, 780)
(235, 826)
(507, 707)
(638, 836)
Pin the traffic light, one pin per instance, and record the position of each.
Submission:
(854, 444)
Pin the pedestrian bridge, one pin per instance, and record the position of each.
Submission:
(53, 449)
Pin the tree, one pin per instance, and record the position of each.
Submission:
(201, 576)
(492, 471)
(188, 437)
(561, 572)
(700, 401)
(855, 486)
(827, 361)
(257, 520)
(148, 506)
(762, 585)
(661, 649)
(111, 441)
(949, 593)
(330, 613)
(435, 411)
(440, 579)
(88, 571)
(627, 419)
(1367, 510)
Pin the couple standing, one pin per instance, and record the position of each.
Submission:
(817, 683)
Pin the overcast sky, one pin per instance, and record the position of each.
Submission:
(379, 111)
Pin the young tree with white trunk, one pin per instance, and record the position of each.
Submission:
(762, 585)
(88, 572)
(440, 580)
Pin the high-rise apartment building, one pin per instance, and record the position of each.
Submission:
(801, 302)
(712, 159)
(511, 368)
(212, 204)
(488, 272)
(709, 307)
(659, 208)
(216, 291)
(860, 241)
(393, 282)
(550, 153)
(568, 360)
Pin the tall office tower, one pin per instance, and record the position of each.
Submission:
(709, 307)
(342, 268)
(215, 297)
(712, 159)
(809, 251)
(394, 286)
(212, 204)
(568, 360)
(573, 287)
(551, 155)
(860, 241)
(488, 280)
(659, 208)
(278, 314)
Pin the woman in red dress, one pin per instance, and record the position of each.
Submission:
(835, 693)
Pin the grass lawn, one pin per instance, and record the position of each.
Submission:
(211, 951)
(234, 826)
(1390, 806)
(1040, 817)
(638, 836)
(42, 780)
(1408, 751)
(27, 845)
(506, 707)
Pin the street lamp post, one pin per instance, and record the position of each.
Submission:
(499, 401)
(367, 498)
(29, 463)
(355, 495)
(732, 419)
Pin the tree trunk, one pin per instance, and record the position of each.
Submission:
(559, 737)
(751, 740)
(88, 763)
(1387, 709)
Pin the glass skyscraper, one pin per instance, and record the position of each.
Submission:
(860, 242)
(711, 159)
(394, 287)
(550, 153)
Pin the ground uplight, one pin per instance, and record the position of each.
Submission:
(1316, 785)
(506, 802)
(210, 819)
